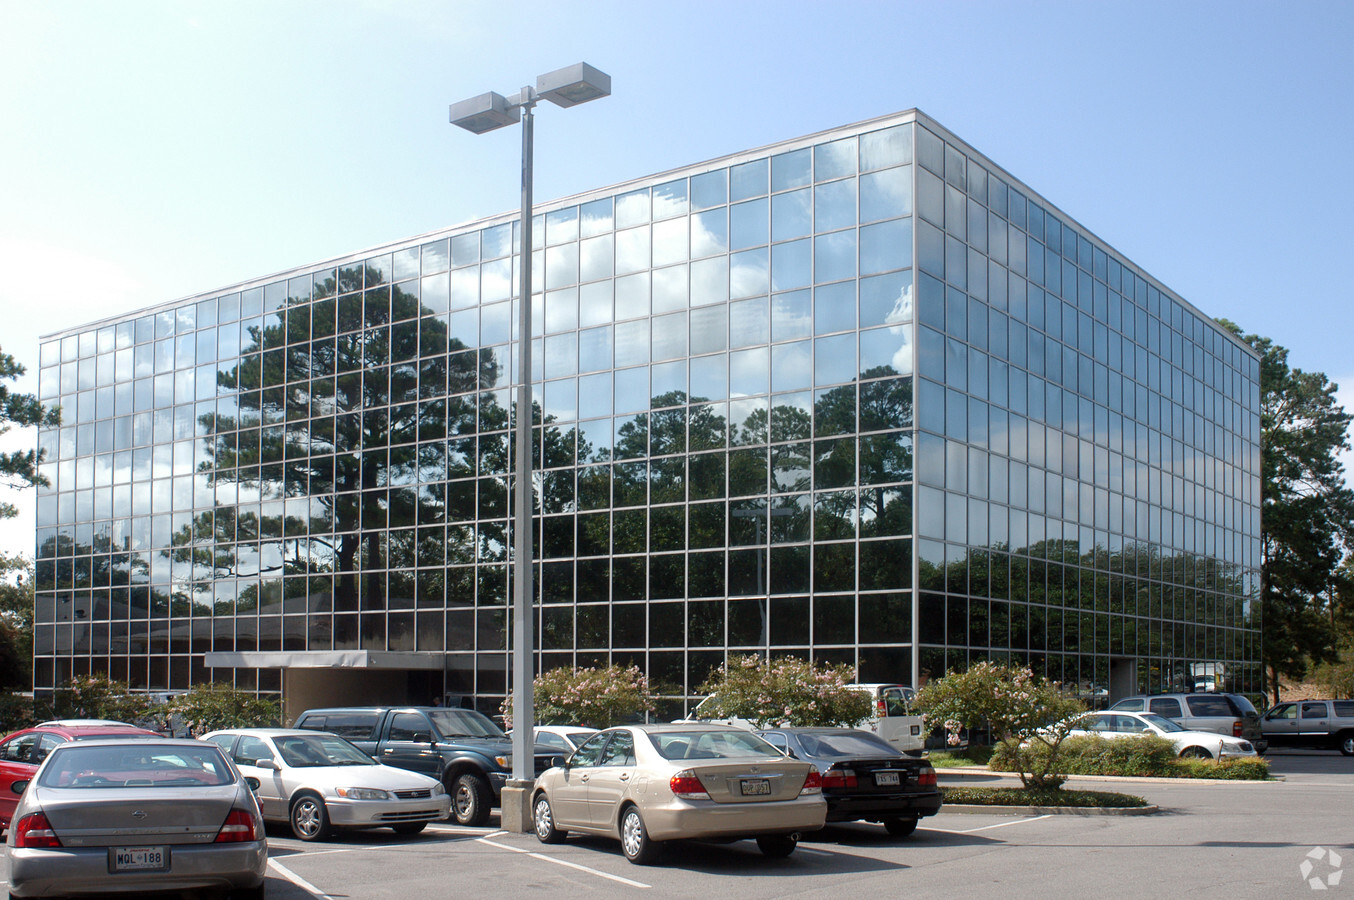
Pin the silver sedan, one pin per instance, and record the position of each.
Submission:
(319, 782)
(646, 784)
(134, 817)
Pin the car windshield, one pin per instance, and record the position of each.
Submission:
(96, 765)
(845, 744)
(464, 723)
(309, 751)
(1162, 722)
(731, 744)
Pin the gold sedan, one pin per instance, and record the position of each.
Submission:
(646, 784)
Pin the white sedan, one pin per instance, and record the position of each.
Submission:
(564, 738)
(318, 782)
(1196, 744)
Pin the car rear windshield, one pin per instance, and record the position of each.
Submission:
(464, 723)
(94, 765)
(730, 744)
(844, 745)
(1204, 705)
(353, 726)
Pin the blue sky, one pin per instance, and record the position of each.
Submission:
(151, 150)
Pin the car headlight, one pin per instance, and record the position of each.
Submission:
(504, 762)
(358, 793)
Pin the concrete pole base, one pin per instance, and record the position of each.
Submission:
(515, 807)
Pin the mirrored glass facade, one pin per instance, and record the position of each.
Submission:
(861, 397)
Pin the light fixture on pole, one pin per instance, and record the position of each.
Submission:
(565, 87)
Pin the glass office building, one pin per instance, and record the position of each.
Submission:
(861, 396)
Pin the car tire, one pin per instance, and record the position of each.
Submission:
(410, 827)
(543, 821)
(900, 827)
(309, 818)
(1195, 753)
(1346, 740)
(471, 798)
(636, 844)
(777, 846)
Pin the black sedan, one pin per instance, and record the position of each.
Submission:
(864, 777)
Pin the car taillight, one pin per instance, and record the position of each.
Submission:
(838, 778)
(813, 784)
(34, 831)
(239, 827)
(881, 708)
(927, 777)
(1236, 728)
(686, 785)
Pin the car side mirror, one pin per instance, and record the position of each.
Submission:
(562, 761)
(19, 787)
(254, 783)
(422, 737)
(267, 763)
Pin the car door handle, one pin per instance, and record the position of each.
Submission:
(583, 778)
(625, 776)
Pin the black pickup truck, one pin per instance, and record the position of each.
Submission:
(465, 749)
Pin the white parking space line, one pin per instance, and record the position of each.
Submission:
(988, 827)
(298, 880)
(562, 862)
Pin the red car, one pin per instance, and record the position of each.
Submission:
(22, 751)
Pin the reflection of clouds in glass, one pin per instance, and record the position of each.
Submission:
(596, 256)
(670, 241)
(632, 208)
(632, 250)
(748, 372)
(710, 281)
(902, 306)
(749, 273)
(709, 233)
(496, 280)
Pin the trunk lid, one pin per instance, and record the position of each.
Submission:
(752, 781)
(126, 816)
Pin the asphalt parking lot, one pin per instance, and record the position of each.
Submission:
(1210, 839)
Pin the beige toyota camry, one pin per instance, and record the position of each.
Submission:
(646, 784)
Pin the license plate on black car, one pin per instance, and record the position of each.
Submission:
(753, 787)
(138, 859)
(886, 779)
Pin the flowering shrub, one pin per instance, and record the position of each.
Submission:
(785, 691)
(208, 707)
(598, 698)
(1029, 715)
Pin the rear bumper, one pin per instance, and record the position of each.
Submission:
(697, 819)
(43, 873)
(847, 808)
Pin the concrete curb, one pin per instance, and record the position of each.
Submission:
(974, 809)
(1127, 779)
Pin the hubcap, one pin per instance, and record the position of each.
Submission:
(307, 817)
(544, 823)
(631, 833)
(465, 801)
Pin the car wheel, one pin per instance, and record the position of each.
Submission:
(1347, 743)
(900, 827)
(1195, 753)
(309, 818)
(471, 798)
(410, 827)
(544, 820)
(635, 840)
(777, 846)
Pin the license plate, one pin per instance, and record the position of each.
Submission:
(753, 787)
(886, 779)
(139, 859)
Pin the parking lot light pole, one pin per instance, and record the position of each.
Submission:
(565, 87)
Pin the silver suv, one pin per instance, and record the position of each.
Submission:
(1229, 714)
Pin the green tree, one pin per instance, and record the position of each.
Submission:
(595, 697)
(208, 707)
(16, 623)
(1307, 512)
(785, 691)
(19, 468)
(99, 697)
(1029, 715)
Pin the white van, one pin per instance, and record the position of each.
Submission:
(892, 717)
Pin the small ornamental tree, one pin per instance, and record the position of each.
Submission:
(1029, 715)
(99, 697)
(786, 691)
(209, 707)
(593, 697)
